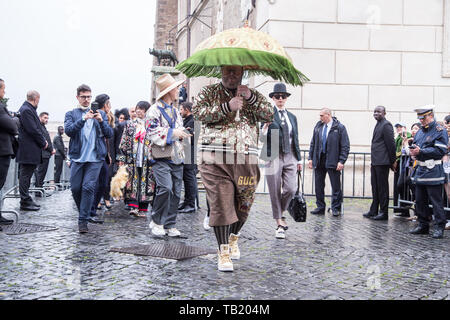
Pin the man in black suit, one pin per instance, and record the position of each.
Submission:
(189, 168)
(31, 144)
(281, 150)
(60, 154)
(382, 159)
(8, 129)
(328, 152)
(47, 153)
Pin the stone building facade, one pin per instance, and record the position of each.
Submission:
(357, 53)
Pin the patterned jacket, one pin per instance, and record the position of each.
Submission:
(219, 130)
(160, 132)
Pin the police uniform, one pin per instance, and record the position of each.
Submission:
(429, 175)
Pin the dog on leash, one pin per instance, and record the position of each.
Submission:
(118, 182)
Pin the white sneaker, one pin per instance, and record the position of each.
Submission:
(206, 223)
(158, 230)
(280, 233)
(447, 226)
(173, 232)
(151, 225)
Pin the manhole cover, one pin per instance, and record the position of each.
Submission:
(168, 251)
(21, 228)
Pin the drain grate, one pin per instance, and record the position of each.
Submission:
(169, 251)
(21, 228)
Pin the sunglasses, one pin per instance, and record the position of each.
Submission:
(280, 96)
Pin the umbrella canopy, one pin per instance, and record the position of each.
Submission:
(256, 51)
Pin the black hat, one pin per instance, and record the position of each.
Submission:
(421, 113)
(279, 88)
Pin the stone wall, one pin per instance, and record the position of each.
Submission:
(357, 53)
(360, 54)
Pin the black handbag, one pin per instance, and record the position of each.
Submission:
(297, 207)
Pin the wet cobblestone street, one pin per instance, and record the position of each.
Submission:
(325, 258)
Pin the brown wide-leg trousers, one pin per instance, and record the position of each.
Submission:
(230, 186)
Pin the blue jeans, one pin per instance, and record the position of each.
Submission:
(100, 188)
(83, 181)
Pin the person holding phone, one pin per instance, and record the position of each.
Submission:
(430, 145)
(87, 128)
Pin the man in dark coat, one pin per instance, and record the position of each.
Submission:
(31, 144)
(429, 147)
(189, 167)
(382, 159)
(47, 153)
(328, 152)
(60, 154)
(8, 129)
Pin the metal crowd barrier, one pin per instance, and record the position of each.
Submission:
(406, 189)
(11, 187)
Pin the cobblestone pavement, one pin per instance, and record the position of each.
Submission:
(325, 258)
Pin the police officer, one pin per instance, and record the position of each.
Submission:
(429, 146)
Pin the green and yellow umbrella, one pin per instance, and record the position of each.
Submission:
(257, 52)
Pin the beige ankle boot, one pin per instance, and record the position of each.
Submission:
(224, 263)
(234, 248)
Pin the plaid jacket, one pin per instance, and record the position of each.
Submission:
(219, 130)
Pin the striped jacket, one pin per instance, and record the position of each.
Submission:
(219, 131)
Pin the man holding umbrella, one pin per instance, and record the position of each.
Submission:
(229, 155)
(229, 113)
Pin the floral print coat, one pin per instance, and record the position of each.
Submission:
(139, 187)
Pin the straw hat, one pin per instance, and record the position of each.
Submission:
(165, 84)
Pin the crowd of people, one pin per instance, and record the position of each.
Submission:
(160, 146)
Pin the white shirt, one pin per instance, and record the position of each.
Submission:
(287, 121)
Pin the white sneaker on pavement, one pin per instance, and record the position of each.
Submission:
(158, 230)
(173, 232)
(206, 223)
(447, 226)
(280, 233)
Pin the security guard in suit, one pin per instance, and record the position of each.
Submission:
(429, 146)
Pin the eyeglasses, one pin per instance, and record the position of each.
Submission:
(85, 97)
(280, 96)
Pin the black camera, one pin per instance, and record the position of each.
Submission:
(95, 106)
(14, 114)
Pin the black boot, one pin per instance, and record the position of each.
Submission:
(369, 215)
(318, 211)
(381, 216)
(438, 233)
(5, 222)
(420, 229)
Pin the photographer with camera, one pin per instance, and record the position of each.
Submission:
(8, 129)
(87, 128)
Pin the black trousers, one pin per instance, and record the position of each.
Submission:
(190, 184)
(319, 180)
(379, 179)
(59, 161)
(25, 173)
(426, 195)
(4, 166)
(41, 172)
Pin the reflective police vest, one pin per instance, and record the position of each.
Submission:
(432, 140)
